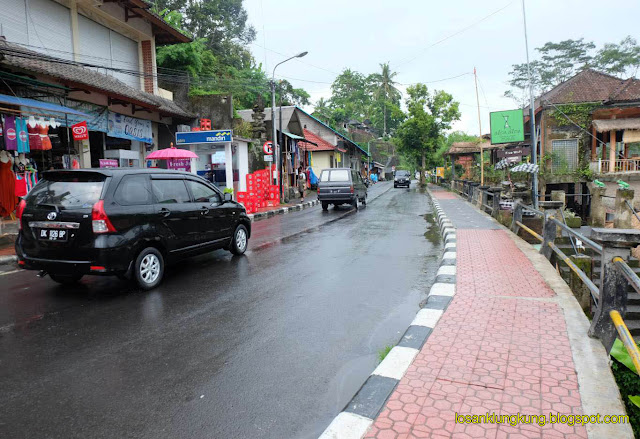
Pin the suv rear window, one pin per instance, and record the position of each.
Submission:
(67, 191)
(402, 174)
(335, 175)
(133, 190)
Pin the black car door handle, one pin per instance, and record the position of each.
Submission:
(164, 212)
(204, 210)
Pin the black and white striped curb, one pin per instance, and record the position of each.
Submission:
(356, 418)
(282, 210)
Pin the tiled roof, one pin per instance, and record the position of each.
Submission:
(321, 144)
(592, 86)
(68, 72)
(468, 147)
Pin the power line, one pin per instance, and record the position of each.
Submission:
(407, 60)
(437, 80)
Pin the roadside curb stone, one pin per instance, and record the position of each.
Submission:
(358, 416)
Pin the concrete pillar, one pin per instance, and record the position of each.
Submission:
(579, 289)
(559, 196)
(623, 214)
(496, 201)
(612, 151)
(481, 196)
(228, 163)
(243, 165)
(598, 211)
(613, 285)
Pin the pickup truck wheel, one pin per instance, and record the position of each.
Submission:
(325, 205)
(240, 240)
(65, 279)
(148, 268)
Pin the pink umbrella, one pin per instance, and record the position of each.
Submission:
(172, 153)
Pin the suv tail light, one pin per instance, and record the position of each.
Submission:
(351, 189)
(99, 219)
(20, 211)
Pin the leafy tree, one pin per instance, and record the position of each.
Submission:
(221, 23)
(290, 95)
(429, 117)
(384, 92)
(350, 97)
(619, 59)
(560, 61)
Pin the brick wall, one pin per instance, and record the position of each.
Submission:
(147, 66)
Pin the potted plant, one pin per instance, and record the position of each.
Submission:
(572, 220)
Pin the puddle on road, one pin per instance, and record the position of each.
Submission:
(433, 231)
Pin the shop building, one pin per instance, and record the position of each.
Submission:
(80, 61)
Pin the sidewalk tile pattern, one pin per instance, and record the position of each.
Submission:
(444, 195)
(489, 354)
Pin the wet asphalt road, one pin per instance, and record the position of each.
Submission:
(272, 344)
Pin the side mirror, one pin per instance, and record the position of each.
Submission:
(227, 197)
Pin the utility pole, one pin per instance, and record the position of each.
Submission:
(532, 115)
(276, 146)
(475, 75)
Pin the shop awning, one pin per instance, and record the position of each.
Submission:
(603, 125)
(44, 106)
(292, 136)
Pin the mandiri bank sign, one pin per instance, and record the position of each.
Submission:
(195, 137)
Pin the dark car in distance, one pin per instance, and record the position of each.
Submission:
(341, 186)
(402, 178)
(124, 222)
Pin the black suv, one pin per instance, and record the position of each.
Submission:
(402, 178)
(124, 222)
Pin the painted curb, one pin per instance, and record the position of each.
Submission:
(6, 260)
(263, 215)
(360, 413)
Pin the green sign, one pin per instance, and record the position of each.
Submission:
(507, 126)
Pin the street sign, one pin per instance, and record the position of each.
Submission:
(521, 151)
(507, 126)
(393, 168)
(191, 137)
(267, 148)
(268, 158)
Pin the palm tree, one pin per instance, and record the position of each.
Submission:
(384, 89)
(322, 109)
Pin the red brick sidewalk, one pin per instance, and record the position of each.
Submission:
(501, 347)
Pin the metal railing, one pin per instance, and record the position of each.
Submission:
(612, 246)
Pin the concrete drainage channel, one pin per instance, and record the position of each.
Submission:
(356, 418)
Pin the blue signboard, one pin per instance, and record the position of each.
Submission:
(191, 137)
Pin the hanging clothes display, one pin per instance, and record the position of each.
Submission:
(35, 142)
(10, 134)
(1, 134)
(43, 129)
(8, 199)
(21, 186)
(23, 135)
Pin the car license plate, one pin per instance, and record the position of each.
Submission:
(53, 235)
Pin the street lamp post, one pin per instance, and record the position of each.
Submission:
(532, 114)
(274, 140)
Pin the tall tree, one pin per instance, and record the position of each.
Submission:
(322, 111)
(620, 59)
(559, 61)
(221, 23)
(384, 91)
(350, 98)
(429, 116)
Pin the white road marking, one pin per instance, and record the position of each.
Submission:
(10, 272)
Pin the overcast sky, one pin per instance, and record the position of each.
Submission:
(361, 34)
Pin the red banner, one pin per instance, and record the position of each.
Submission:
(80, 131)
